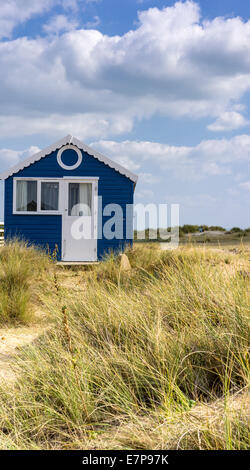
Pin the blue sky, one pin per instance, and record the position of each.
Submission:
(163, 87)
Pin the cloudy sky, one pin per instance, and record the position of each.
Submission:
(163, 87)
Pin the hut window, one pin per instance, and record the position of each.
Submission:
(26, 196)
(80, 196)
(49, 196)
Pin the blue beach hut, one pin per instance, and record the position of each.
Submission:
(70, 198)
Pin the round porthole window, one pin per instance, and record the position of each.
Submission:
(71, 165)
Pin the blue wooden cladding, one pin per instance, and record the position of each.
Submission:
(46, 230)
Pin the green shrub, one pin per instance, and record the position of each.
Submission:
(235, 229)
(216, 227)
(190, 228)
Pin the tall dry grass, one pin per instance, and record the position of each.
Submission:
(135, 350)
(23, 269)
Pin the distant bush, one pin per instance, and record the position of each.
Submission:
(235, 229)
(216, 227)
(189, 228)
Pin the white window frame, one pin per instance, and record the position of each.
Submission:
(93, 180)
(39, 211)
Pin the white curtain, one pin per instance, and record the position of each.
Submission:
(21, 195)
(85, 198)
(80, 195)
(49, 196)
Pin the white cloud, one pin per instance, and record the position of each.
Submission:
(148, 178)
(70, 4)
(55, 125)
(94, 23)
(9, 158)
(229, 121)
(208, 158)
(60, 23)
(172, 64)
(245, 185)
(145, 194)
(13, 12)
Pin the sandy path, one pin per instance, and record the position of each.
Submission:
(10, 340)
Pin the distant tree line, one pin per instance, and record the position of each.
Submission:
(159, 234)
(197, 228)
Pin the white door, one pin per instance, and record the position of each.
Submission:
(79, 221)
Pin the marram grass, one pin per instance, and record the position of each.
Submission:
(148, 359)
(23, 271)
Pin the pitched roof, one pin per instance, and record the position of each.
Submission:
(69, 139)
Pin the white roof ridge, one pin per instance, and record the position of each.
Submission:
(68, 139)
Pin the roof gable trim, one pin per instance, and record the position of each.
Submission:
(69, 139)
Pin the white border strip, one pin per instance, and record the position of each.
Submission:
(69, 140)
